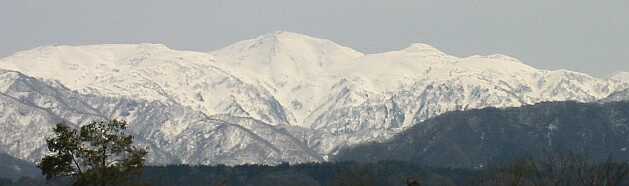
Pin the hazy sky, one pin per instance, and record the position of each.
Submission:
(584, 35)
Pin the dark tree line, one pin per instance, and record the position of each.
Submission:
(558, 170)
(553, 170)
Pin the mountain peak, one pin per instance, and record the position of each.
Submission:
(285, 37)
(496, 57)
(285, 34)
(620, 76)
(300, 47)
(423, 48)
(503, 57)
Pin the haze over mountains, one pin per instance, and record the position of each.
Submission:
(281, 97)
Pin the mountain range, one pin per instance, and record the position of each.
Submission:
(280, 97)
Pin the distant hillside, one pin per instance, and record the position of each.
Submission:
(622, 95)
(476, 138)
(11, 168)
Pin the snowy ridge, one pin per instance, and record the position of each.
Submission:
(279, 97)
(620, 77)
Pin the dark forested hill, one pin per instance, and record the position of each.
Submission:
(477, 138)
(12, 168)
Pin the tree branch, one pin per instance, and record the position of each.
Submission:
(75, 162)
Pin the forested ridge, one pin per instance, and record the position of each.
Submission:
(476, 138)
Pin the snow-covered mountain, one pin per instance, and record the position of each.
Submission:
(620, 77)
(174, 133)
(279, 97)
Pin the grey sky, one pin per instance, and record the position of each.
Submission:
(583, 35)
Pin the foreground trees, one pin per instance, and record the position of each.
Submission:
(556, 169)
(99, 153)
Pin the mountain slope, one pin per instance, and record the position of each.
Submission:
(622, 95)
(314, 95)
(297, 69)
(174, 133)
(147, 72)
(476, 138)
